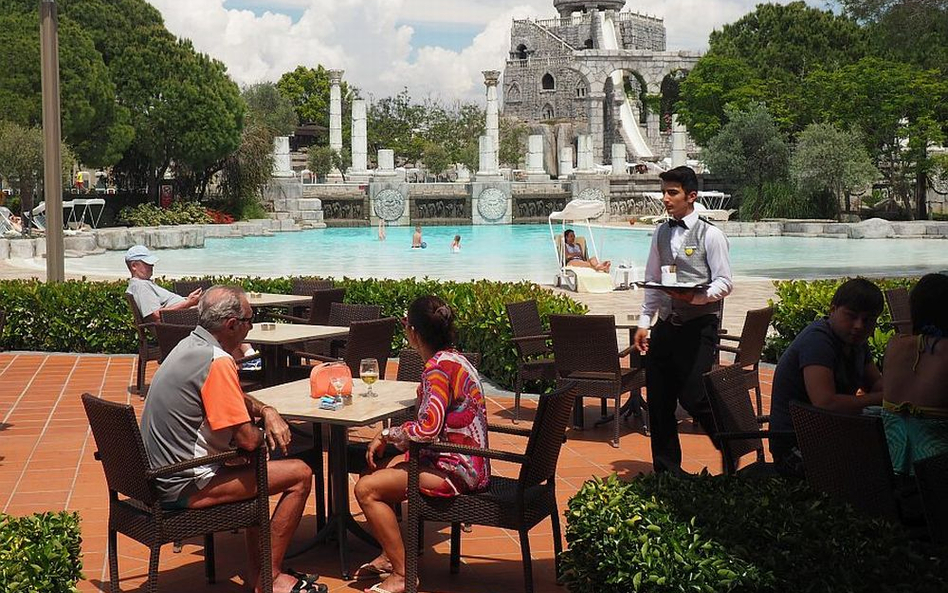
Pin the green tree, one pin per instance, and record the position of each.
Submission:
(398, 124)
(436, 159)
(269, 107)
(900, 109)
(320, 161)
(749, 150)
(247, 170)
(716, 84)
(830, 161)
(513, 141)
(308, 91)
(21, 160)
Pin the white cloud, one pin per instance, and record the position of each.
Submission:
(367, 38)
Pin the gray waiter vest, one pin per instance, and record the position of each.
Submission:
(692, 266)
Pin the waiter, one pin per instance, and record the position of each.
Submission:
(682, 343)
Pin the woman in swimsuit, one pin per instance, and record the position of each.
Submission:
(574, 254)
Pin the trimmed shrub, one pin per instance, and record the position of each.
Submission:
(718, 533)
(180, 212)
(40, 552)
(800, 302)
(82, 316)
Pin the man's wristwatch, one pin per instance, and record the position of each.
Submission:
(385, 433)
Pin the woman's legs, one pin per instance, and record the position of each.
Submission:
(377, 493)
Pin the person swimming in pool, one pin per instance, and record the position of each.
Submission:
(416, 242)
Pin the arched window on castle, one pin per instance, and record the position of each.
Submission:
(581, 90)
(521, 52)
(588, 44)
(547, 83)
(548, 112)
(513, 94)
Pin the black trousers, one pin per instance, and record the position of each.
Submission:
(678, 356)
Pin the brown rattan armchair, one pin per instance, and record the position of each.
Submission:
(308, 287)
(932, 477)
(534, 355)
(586, 351)
(318, 310)
(169, 335)
(748, 350)
(134, 507)
(367, 339)
(147, 344)
(187, 316)
(737, 426)
(900, 310)
(847, 457)
(186, 287)
(510, 503)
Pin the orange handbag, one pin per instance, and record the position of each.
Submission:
(320, 379)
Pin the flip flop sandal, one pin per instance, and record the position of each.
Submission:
(369, 572)
(302, 586)
(303, 576)
(377, 588)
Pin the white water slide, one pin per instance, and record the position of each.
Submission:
(631, 133)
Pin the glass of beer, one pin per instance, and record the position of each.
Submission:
(369, 373)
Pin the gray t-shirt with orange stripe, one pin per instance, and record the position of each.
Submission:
(194, 405)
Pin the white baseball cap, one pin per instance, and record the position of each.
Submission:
(140, 253)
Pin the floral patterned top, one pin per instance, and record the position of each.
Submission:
(451, 409)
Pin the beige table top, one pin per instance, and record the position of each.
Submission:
(293, 401)
(288, 333)
(266, 299)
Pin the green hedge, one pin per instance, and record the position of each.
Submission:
(40, 553)
(83, 316)
(711, 534)
(800, 302)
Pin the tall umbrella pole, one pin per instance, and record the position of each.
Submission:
(52, 138)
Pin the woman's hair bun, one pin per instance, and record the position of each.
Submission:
(444, 312)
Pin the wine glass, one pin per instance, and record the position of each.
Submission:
(338, 383)
(369, 373)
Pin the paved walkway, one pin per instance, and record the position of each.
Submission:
(47, 464)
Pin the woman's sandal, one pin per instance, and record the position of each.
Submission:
(369, 571)
(304, 586)
(311, 579)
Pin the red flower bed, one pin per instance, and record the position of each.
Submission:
(218, 217)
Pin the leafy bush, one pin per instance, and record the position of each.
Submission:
(82, 316)
(40, 553)
(149, 214)
(717, 533)
(781, 199)
(801, 302)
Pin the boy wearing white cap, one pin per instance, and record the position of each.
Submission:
(151, 298)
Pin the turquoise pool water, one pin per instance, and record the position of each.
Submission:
(512, 252)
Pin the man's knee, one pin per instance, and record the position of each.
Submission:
(295, 471)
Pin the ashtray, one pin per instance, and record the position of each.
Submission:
(256, 295)
(268, 327)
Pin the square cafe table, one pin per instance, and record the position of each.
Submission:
(293, 401)
(283, 334)
(266, 299)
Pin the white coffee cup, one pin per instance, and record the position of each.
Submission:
(669, 275)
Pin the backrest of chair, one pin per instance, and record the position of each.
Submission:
(186, 287)
(732, 409)
(143, 333)
(307, 286)
(846, 456)
(547, 435)
(900, 310)
(344, 314)
(525, 321)
(753, 336)
(169, 335)
(932, 477)
(323, 299)
(120, 447)
(370, 339)
(584, 343)
(411, 366)
(181, 317)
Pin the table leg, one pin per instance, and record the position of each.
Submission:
(318, 474)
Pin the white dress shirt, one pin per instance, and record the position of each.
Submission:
(719, 262)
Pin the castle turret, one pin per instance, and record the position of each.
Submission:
(568, 7)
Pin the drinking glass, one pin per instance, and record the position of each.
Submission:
(369, 373)
(338, 383)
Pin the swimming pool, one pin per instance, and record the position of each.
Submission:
(511, 252)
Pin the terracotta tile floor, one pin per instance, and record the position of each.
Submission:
(46, 463)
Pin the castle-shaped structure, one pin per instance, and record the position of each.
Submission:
(593, 64)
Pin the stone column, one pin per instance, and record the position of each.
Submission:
(535, 171)
(487, 168)
(359, 171)
(566, 161)
(618, 159)
(584, 159)
(491, 78)
(596, 123)
(679, 155)
(281, 157)
(335, 119)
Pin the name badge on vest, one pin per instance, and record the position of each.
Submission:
(690, 249)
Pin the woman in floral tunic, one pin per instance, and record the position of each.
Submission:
(451, 409)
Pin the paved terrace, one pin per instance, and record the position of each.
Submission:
(46, 464)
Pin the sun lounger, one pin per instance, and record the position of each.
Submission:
(93, 207)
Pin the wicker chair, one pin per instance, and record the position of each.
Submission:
(169, 335)
(307, 286)
(585, 350)
(932, 477)
(900, 310)
(147, 345)
(510, 503)
(319, 310)
(140, 515)
(737, 426)
(367, 339)
(749, 350)
(411, 366)
(187, 316)
(534, 356)
(847, 457)
(186, 287)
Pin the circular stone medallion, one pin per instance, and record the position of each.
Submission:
(593, 193)
(492, 204)
(389, 205)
